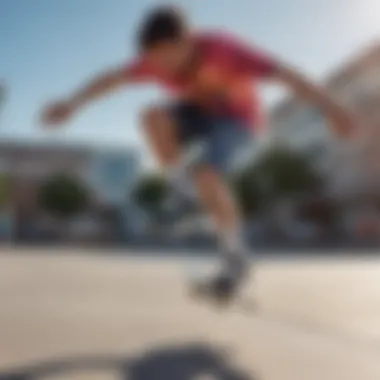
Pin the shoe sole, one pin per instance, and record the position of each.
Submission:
(201, 292)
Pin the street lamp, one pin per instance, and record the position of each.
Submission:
(3, 95)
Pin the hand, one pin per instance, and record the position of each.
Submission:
(343, 122)
(58, 113)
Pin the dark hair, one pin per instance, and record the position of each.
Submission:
(161, 24)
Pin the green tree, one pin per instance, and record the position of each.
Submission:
(63, 195)
(150, 193)
(247, 192)
(284, 173)
(5, 188)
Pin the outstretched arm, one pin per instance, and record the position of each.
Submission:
(261, 65)
(103, 84)
(99, 86)
(305, 89)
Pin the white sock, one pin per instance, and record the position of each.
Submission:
(234, 252)
(232, 241)
(181, 182)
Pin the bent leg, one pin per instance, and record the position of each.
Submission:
(161, 134)
(217, 198)
(226, 144)
(169, 131)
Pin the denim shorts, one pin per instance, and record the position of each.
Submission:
(218, 140)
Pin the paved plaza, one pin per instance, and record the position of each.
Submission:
(76, 315)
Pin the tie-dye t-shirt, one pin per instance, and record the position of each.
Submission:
(224, 80)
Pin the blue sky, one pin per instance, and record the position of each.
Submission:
(48, 47)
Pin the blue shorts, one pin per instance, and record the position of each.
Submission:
(220, 140)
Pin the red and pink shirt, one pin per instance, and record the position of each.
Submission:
(226, 77)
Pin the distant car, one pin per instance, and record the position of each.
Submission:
(86, 228)
(6, 227)
(301, 230)
(364, 223)
(367, 227)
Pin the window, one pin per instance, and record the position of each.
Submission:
(113, 175)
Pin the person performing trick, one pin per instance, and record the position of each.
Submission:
(212, 77)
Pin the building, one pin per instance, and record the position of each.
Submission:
(109, 174)
(351, 167)
(27, 165)
(113, 175)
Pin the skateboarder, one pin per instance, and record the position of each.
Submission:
(212, 77)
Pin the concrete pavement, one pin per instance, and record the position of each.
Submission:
(73, 315)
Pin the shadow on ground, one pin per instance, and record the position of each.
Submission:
(191, 362)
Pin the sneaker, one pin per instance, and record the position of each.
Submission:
(223, 287)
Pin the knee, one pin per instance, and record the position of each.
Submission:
(160, 133)
(151, 116)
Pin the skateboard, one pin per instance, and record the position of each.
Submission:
(199, 292)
